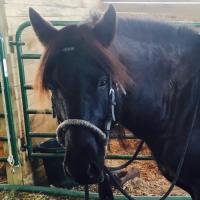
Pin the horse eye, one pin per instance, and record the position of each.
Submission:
(102, 82)
(50, 87)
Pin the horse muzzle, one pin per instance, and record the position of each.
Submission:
(83, 162)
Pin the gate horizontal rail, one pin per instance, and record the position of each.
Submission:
(77, 194)
(111, 157)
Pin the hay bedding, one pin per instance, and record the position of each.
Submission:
(150, 182)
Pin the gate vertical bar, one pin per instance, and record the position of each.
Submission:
(22, 85)
(8, 105)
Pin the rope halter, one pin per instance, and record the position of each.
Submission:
(62, 127)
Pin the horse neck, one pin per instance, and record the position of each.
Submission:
(140, 108)
(157, 94)
(140, 116)
(158, 119)
(160, 106)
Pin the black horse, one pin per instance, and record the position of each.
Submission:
(156, 69)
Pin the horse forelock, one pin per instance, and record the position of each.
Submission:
(82, 36)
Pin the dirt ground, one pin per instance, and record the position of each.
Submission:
(150, 182)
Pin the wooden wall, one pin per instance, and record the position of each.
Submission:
(187, 10)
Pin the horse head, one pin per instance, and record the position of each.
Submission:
(79, 70)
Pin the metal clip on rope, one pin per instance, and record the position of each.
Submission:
(113, 103)
(10, 159)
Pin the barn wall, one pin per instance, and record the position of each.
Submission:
(187, 10)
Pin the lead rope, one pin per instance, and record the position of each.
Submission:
(139, 147)
(87, 194)
(109, 169)
(180, 165)
(117, 185)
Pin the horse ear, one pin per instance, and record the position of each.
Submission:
(44, 31)
(104, 29)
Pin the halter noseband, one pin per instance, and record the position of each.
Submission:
(79, 122)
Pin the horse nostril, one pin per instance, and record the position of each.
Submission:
(93, 171)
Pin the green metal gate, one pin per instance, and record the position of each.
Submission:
(27, 111)
(12, 157)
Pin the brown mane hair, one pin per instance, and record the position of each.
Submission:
(104, 57)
